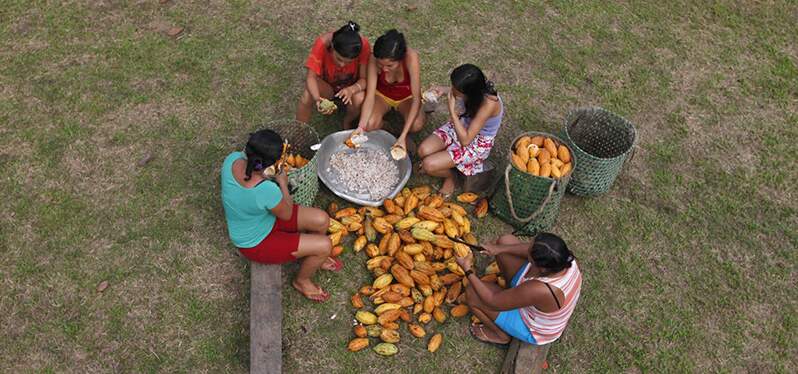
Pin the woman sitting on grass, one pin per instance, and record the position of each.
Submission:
(336, 71)
(543, 292)
(262, 219)
(394, 82)
(466, 140)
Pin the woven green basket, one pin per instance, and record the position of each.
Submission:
(304, 181)
(527, 202)
(601, 142)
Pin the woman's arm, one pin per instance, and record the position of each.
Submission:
(526, 294)
(285, 207)
(517, 250)
(465, 136)
(347, 93)
(368, 102)
(415, 88)
(313, 86)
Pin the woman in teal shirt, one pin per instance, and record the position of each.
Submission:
(262, 219)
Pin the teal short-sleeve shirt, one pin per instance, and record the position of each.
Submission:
(247, 210)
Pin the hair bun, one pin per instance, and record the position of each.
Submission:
(353, 26)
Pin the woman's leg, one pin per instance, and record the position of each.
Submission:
(307, 106)
(380, 108)
(432, 144)
(493, 333)
(353, 109)
(440, 164)
(312, 252)
(509, 264)
(421, 118)
(316, 221)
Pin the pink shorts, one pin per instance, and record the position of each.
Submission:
(470, 159)
(276, 248)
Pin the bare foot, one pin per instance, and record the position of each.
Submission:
(332, 264)
(487, 335)
(447, 189)
(311, 291)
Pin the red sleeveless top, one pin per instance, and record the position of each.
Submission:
(397, 91)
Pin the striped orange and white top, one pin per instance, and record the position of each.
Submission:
(547, 327)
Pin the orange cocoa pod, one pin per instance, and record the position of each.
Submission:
(482, 208)
(459, 311)
(439, 315)
(429, 304)
(357, 344)
(454, 292)
(400, 289)
(416, 330)
(435, 343)
(337, 250)
(389, 206)
(360, 331)
(402, 275)
(545, 170)
(357, 302)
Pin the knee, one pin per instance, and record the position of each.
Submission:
(325, 249)
(322, 221)
(418, 124)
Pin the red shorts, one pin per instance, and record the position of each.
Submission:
(276, 247)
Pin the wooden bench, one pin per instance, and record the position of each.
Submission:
(525, 358)
(265, 319)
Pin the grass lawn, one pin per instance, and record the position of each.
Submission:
(689, 261)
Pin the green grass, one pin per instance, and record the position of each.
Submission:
(689, 261)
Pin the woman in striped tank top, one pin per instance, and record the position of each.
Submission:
(544, 289)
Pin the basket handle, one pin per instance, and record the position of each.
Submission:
(510, 197)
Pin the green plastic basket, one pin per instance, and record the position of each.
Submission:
(304, 181)
(527, 202)
(601, 142)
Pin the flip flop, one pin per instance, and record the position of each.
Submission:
(318, 297)
(336, 266)
(485, 339)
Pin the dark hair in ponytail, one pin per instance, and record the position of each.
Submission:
(391, 45)
(470, 80)
(263, 149)
(550, 253)
(346, 40)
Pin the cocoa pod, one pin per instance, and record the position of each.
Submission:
(357, 344)
(435, 343)
(416, 330)
(386, 349)
(459, 311)
(360, 331)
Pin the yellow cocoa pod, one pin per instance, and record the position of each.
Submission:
(348, 220)
(419, 277)
(360, 331)
(523, 154)
(438, 266)
(386, 307)
(416, 330)
(346, 212)
(413, 249)
(392, 219)
(417, 308)
(470, 239)
(389, 316)
(545, 170)
(544, 157)
(461, 250)
(556, 162)
(555, 171)
(400, 204)
(410, 203)
(454, 292)
(425, 318)
(454, 268)
(386, 349)
(459, 311)
(439, 296)
(427, 249)
(429, 213)
(357, 302)
(390, 326)
(426, 225)
(335, 238)
(566, 168)
(424, 267)
(374, 330)
(439, 315)
(360, 243)
(334, 226)
(523, 142)
(393, 244)
(492, 268)
(518, 162)
(429, 304)
(467, 197)
(425, 289)
(381, 225)
(435, 282)
(404, 259)
(450, 278)
(436, 202)
(501, 282)
(533, 167)
(406, 223)
(402, 276)
(550, 146)
(374, 262)
(368, 228)
(357, 344)
(450, 227)
(366, 318)
(563, 153)
(421, 190)
(482, 208)
(372, 250)
(422, 234)
(389, 336)
(443, 242)
(374, 211)
(400, 289)
(382, 281)
(435, 343)
(466, 227)
(537, 140)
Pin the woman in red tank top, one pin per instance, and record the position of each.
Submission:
(394, 82)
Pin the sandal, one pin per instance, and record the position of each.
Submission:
(319, 297)
(478, 332)
(335, 265)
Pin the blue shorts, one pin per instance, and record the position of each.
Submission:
(510, 320)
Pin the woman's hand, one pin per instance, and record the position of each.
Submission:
(401, 142)
(493, 249)
(465, 262)
(282, 178)
(346, 94)
(451, 103)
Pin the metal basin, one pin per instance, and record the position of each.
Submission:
(378, 139)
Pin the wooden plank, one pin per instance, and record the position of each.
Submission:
(524, 358)
(265, 319)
